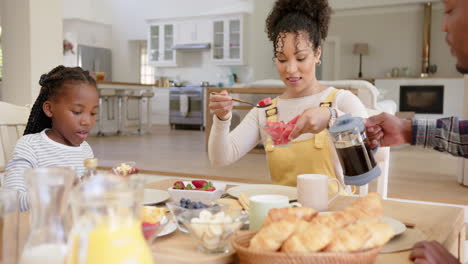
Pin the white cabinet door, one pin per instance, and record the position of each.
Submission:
(194, 31)
(161, 42)
(227, 40)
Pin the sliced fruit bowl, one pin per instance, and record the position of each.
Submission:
(205, 193)
(279, 131)
(153, 220)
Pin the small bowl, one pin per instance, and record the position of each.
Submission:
(279, 133)
(205, 197)
(125, 173)
(213, 227)
(177, 210)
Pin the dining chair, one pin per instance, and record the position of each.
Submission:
(13, 120)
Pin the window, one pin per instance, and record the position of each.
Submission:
(146, 70)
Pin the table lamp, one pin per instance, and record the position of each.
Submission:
(361, 49)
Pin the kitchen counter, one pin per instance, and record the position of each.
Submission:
(124, 85)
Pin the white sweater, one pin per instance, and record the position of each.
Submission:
(38, 150)
(225, 148)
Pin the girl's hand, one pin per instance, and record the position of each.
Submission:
(313, 120)
(221, 105)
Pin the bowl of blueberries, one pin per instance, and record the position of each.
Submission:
(185, 205)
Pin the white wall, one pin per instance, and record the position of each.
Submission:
(32, 45)
(395, 40)
(91, 10)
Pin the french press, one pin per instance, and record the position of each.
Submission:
(356, 157)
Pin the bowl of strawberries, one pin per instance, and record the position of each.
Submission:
(196, 190)
(280, 131)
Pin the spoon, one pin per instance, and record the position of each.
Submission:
(244, 102)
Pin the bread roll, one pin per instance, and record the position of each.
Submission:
(271, 237)
(277, 214)
(381, 234)
(349, 239)
(313, 239)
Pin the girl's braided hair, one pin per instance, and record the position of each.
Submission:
(311, 16)
(51, 85)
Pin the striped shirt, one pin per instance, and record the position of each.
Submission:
(445, 135)
(38, 150)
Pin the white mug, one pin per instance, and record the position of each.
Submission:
(312, 191)
(260, 205)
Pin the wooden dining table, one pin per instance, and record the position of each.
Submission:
(444, 224)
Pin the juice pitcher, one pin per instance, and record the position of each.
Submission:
(48, 193)
(107, 224)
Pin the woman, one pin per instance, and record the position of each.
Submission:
(297, 29)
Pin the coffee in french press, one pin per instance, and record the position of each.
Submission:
(356, 157)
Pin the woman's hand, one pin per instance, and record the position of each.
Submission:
(313, 120)
(221, 105)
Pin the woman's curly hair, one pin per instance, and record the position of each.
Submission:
(311, 16)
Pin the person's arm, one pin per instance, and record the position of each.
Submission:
(444, 135)
(23, 158)
(225, 148)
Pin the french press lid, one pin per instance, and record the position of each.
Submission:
(346, 123)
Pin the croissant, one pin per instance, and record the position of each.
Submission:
(313, 239)
(381, 234)
(271, 237)
(334, 220)
(370, 205)
(350, 238)
(278, 214)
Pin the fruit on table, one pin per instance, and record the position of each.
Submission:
(179, 185)
(200, 185)
(264, 102)
(280, 131)
(152, 214)
(149, 229)
(188, 204)
(212, 229)
(125, 169)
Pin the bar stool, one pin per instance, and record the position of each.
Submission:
(121, 108)
(105, 95)
(147, 94)
(123, 95)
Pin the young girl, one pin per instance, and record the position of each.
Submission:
(60, 120)
(297, 29)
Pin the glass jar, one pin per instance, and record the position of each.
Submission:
(352, 146)
(107, 229)
(48, 191)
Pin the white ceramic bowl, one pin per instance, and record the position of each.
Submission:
(205, 197)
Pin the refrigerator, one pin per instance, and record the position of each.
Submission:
(94, 59)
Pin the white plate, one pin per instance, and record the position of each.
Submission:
(153, 196)
(256, 189)
(397, 226)
(169, 228)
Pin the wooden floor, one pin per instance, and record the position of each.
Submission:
(415, 173)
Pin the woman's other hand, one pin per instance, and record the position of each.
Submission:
(313, 120)
(221, 105)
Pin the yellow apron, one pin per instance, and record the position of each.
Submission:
(309, 156)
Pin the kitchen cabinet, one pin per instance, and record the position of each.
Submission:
(228, 40)
(160, 43)
(194, 31)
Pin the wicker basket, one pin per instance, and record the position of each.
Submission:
(246, 256)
